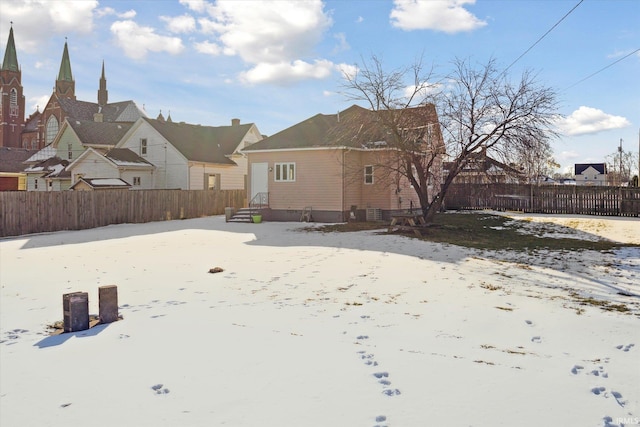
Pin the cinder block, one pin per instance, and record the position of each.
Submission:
(108, 302)
(75, 307)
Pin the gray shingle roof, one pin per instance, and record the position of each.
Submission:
(117, 111)
(126, 157)
(12, 159)
(355, 127)
(202, 143)
(99, 133)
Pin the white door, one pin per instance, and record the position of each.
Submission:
(259, 179)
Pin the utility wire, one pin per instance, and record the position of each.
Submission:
(602, 69)
(544, 35)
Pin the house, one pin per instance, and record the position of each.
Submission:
(71, 142)
(482, 169)
(93, 184)
(591, 173)
(12, 175)
(192, 157)
(337, 166)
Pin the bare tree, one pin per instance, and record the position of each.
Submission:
(479, 108)
(619, 166)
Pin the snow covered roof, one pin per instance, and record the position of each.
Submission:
(102, 183)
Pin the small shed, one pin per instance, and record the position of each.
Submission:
(92, 184)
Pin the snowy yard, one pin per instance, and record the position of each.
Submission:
(320, 329)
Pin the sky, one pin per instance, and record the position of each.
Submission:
(276, 63)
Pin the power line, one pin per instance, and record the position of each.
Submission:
(544, 35)
(602, 69)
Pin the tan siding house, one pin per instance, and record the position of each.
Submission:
(307, 166)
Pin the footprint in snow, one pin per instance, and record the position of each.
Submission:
(576, 369)
(159, 390)
(625, 348)
(536, 340)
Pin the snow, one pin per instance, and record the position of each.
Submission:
(317, 329)
(112, 182)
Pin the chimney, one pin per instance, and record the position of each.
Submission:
(235, 122)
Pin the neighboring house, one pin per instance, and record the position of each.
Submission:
(193, 157)
(116, 163)
(337, 166)
(48, 175)
(482, 169)
(72, 141)
(12, 175)
(93, 184)
(591, 173)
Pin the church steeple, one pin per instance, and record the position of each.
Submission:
(10, 62)
(12, 101)
(103, 93)
(65, 85)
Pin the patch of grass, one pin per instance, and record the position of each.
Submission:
(480, 230)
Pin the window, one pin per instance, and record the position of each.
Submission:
(13, 102)
(35, 183)
(52, 129)
(285, 172)
(211, 181)
(368, 174)
(69, 151)
(143, 146)
(136, 180)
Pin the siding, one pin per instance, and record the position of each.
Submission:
(62, 149)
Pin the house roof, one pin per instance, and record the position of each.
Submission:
(581, 167)
(125, 111)
(99, 133)
(206, 144)
(53, 167)
(126, 157)
(45, 153)
(32, 122)
(480, 162)
(354, 127)
(103, 183)
(12, 159)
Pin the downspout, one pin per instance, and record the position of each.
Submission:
(344, 156)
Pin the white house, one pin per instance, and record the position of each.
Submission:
(118, 163)
(591, 173)
(192, 157)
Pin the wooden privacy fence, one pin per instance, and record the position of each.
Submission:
(26, 212)
(552, 199)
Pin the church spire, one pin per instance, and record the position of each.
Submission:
(10, 62)
(65, 85)
(103, 93)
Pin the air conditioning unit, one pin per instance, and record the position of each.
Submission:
(374, 214)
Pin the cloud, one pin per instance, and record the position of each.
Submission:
(276, 38)
(587, 120)
(137, 41)
(448, 16)
(342, 44)
(285, 73)
(180, 24)
(37, 20)
(108, 11)
(208, 48)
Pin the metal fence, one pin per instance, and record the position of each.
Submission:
(553, 199)
(26, 212)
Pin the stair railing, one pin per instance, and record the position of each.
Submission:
(259, 201)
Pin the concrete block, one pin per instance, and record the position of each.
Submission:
(75, 307)
(108, 302)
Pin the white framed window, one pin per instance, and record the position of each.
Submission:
(136, 180)
(52, 129)
(368, 174)
(285, 172)
(13, 102)
(35, 183)
(143, 146)
(69, 151)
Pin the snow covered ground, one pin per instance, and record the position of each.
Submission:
(319, 329)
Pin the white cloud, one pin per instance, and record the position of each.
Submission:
(348, 71)
(180, 24)
(586, 120)
(208, 48)
(448, 16)
(109, 11)
(129, 14)
(38, 102)
(277, 38)
(342, 43)
(285, 73)
(40, 19)
(359, 20)
(196, 5)
(137, 41)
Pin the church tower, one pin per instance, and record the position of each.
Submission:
(65, 85)
(103, 93)
(11, 97)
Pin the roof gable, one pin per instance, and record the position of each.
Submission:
(580, 168)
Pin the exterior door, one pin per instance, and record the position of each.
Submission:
(259, 179)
